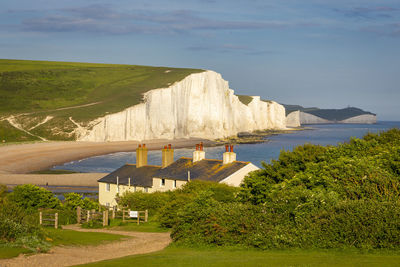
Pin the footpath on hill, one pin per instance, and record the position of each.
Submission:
(140, 243)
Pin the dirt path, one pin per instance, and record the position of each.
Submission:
(67, 256)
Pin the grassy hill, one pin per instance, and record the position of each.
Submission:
(36, 90)
(329, 114)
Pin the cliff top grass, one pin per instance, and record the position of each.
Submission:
(45, 94)
(245, 99)
(82, 90)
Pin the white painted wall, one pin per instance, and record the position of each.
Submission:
(236, 178)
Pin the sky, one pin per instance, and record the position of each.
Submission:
(323, 53)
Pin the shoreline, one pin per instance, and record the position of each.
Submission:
(27, 158)
(18, 161)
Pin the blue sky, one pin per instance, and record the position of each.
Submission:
(329, 54)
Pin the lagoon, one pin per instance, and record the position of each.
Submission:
(324, 134)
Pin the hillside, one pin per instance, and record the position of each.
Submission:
(42, 100)
(329, 114)
(314, 115)
(32, 91)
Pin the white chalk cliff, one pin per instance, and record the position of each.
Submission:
(200, 105)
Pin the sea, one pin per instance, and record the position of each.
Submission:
(323, 134)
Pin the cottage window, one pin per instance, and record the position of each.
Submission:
(174, 185)
(108, 187)
(134, 189)
(162, 182)
(146, 189)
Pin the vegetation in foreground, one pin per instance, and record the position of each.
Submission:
(19, 219)
(83, 91)
(178, 256)
(316, 197)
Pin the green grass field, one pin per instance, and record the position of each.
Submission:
(59, 237)
(83, 91)
(7, 252)
(173, 256)
(151, 226)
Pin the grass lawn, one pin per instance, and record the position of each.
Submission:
(150, 226)
(174, 256)
(59, 237)
(82, 91)
(7, 252)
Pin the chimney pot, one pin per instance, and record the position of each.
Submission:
(231, 148)
(144, 145)
(165, 147)
(140, 146)
(169, 146)
(226, 148)
(201, 146)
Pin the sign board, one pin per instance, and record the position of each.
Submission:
(133, 214)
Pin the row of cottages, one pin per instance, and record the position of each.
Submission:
(171, 175)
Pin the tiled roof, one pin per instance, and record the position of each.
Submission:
(142, 176)
(206, 170)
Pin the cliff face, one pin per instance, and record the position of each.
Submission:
(367, 119)
(298, 118)
(293, 119)
(306, 118)
(201, 105)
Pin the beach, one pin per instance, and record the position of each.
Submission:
(18, 160)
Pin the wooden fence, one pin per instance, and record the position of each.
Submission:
(126, 215)
(134, 216)
(85, 216)
(48, 219)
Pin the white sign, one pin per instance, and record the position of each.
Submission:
(133, 214)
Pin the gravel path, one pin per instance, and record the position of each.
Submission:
(67, 256)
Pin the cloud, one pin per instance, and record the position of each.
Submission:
(390, 29)
(104, 18)
(368, 12)
(228, 48)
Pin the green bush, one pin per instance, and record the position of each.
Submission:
(142, 201)
(313, 197)
(32, 197)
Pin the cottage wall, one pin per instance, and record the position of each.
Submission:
(236, 178)
(107, 198)
(169, 184)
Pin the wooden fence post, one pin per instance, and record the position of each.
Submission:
(123, 215)
(105, 217)
(78, 215)
(146, 215)
(88, 216)
(113, 214)
(40, 218)
(56, 220)
(138, 217)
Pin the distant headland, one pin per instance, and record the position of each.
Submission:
(297, 115)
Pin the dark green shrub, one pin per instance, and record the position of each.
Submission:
(142, 201)
(32, 197)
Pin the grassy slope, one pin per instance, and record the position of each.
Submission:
(173, 256)
(42, 87)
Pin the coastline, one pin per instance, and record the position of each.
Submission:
(17, 161)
